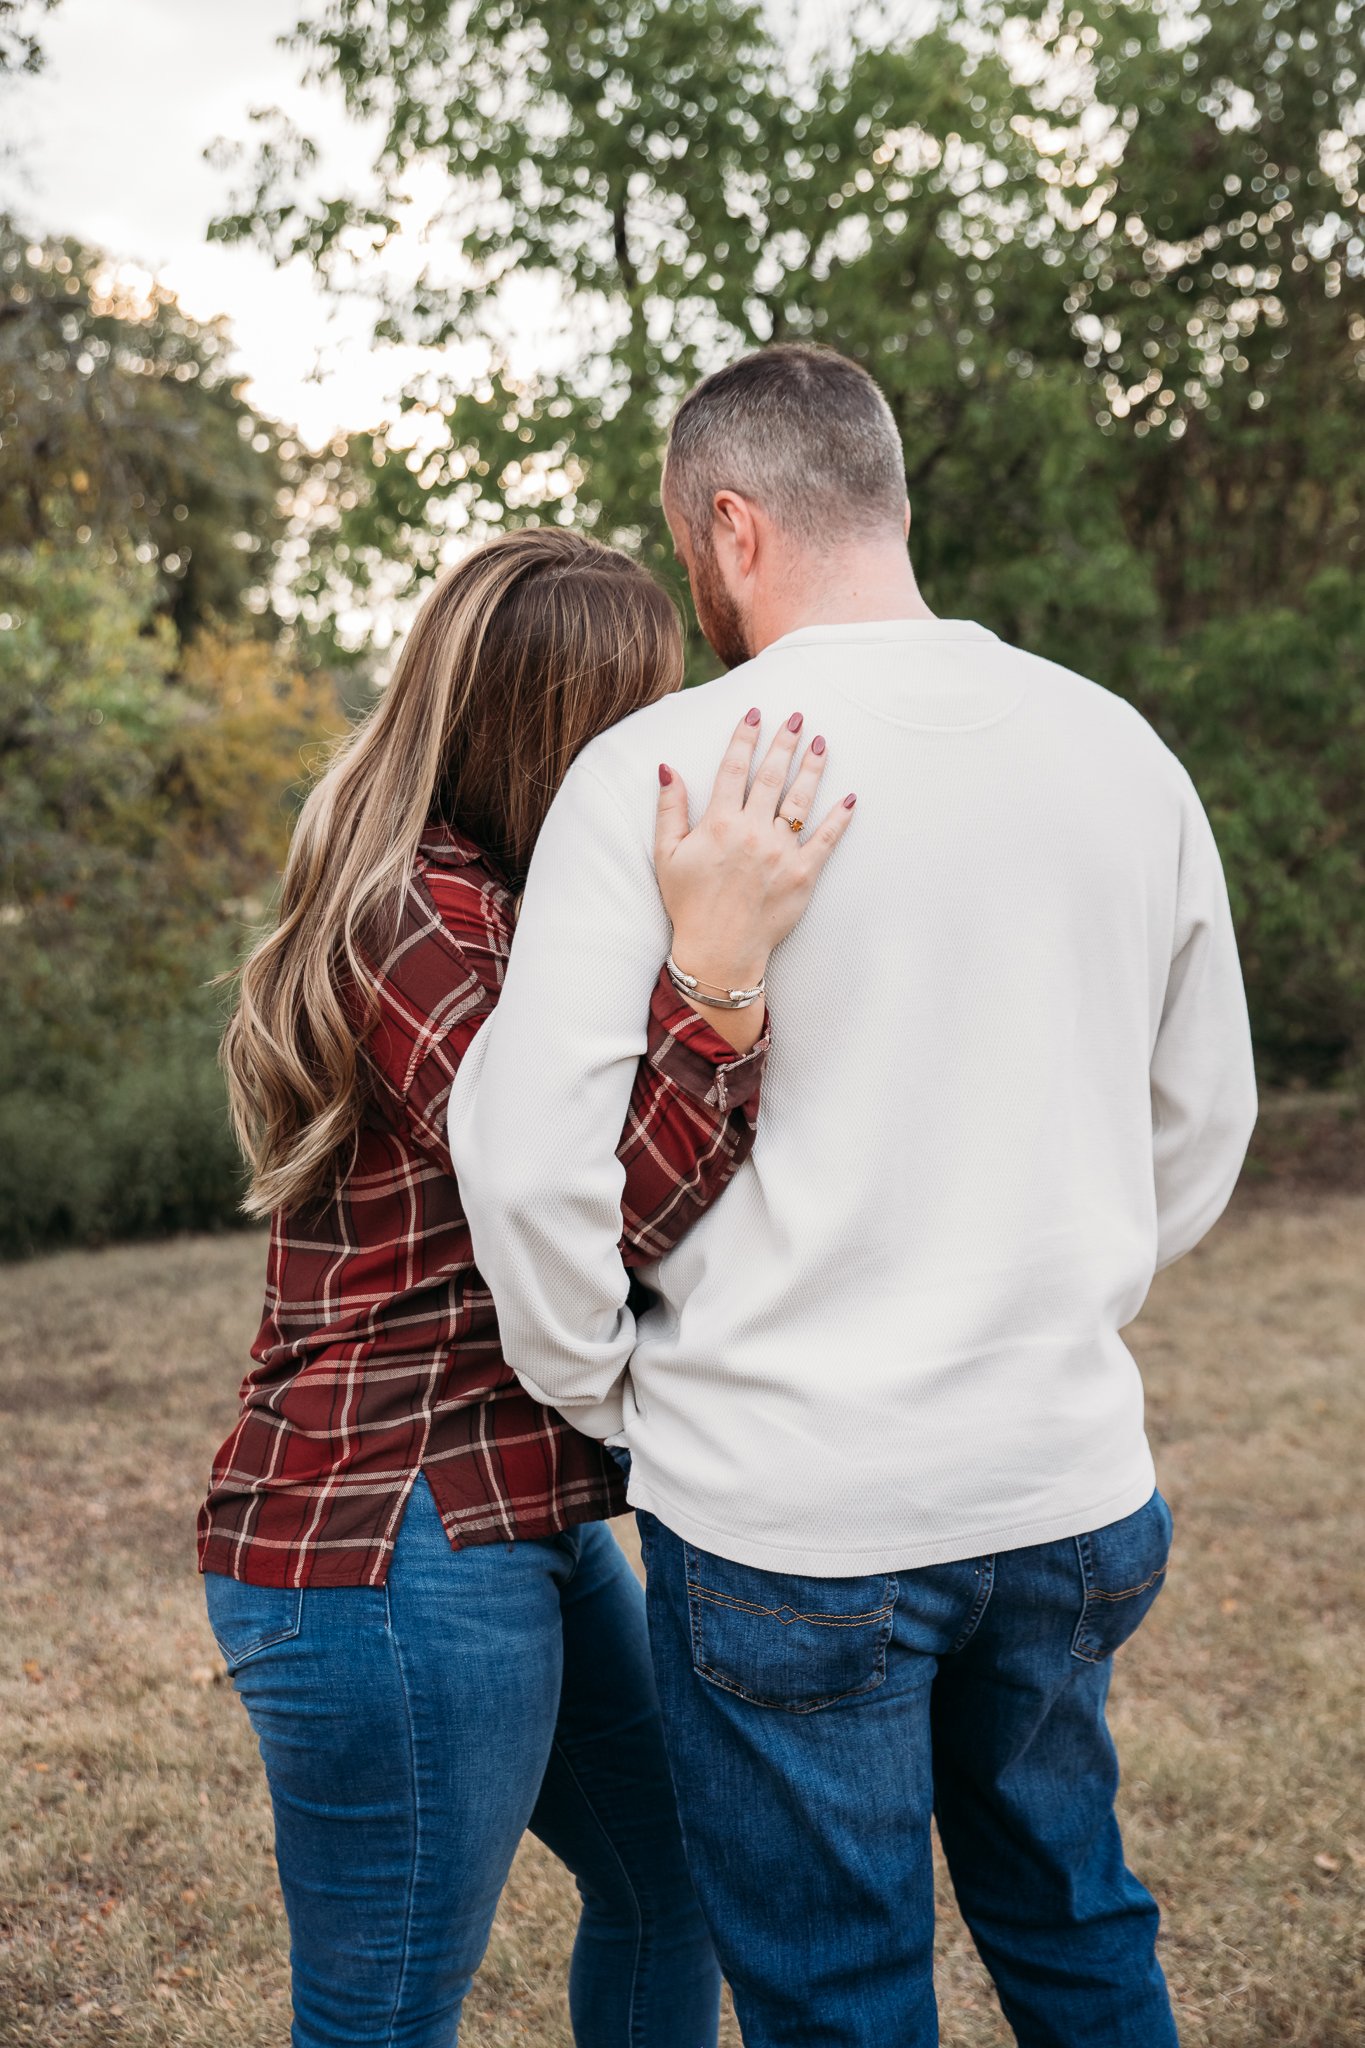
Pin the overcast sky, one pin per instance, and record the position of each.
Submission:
(107, 143)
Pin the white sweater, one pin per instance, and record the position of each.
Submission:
(1010, 1077)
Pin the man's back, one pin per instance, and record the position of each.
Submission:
(894, 1342)
(903, 1510)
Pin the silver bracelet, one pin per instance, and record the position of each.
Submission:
(729, 999)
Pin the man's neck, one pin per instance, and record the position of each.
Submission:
(856, 587)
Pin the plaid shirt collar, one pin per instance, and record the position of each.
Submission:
(445, 846)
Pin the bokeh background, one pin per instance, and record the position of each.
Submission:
(1106, 262)
(294, 309)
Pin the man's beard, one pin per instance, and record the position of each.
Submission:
(717, 613)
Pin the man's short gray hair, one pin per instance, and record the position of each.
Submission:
(802, 431)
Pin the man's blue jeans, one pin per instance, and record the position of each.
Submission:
(412, 1731)
(815, 1726)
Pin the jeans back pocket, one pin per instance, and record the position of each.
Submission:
(797, 1644)
(248, 1619)
(1123, 1568)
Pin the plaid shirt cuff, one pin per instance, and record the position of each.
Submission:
(692, 1054)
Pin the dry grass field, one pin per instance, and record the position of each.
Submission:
(137, 1894)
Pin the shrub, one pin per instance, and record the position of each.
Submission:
(1267, 711)
(134, 1151)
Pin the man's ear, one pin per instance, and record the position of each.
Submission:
(907, 519)
(735, 531)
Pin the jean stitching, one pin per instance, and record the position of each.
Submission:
(787, 1614)
(1081, 1641)
(601, 1825)
(982, 1602)
(696, 1593)
(410, 1908)
(757, 1699)
(695, 1588)
(1130, 1591)
(1084, 1645)
(268, 1642)
(570, 1541)
(724, 1683)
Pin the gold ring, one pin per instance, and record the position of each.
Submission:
(797, 824)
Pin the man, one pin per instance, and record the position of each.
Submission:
(888, 1452)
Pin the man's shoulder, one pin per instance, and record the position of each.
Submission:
(683, 729)
(705, 707)
(1091, 708)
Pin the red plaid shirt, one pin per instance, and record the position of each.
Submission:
(378, 1357)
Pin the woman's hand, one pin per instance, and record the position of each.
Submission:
(739, 880)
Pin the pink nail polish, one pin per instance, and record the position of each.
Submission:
(794, 723)
(754, 717)
(849, 802)
(665, 776)
(817, 745)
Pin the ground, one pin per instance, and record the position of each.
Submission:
(138, 1902)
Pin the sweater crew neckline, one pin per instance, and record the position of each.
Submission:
(908, 631)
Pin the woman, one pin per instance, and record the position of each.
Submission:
(407, 1571)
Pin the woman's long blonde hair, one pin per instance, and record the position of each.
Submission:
(533, 644)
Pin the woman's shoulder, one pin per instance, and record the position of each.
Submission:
(464, 884)
(453, 934)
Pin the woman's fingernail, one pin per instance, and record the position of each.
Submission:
(849, 802)
(665, 776)
(817, 745)
(795, 721)
(754, 717)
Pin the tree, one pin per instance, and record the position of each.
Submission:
(123, 429)
(1108, 284)
(1105, 260)
(684, 198)
(1267, 709)
(20, 47)
(144, 802)
(146, 793)
(154, 736)
(1219, 289)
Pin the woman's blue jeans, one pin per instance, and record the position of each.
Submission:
(411, 1732)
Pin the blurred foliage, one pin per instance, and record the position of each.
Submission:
(141, 793)
(1103, 259)
(1106, 260)
(154, 728)
(1267, 710)
(144, 814)
(122, 1151)
(122, 430)
(20, 46)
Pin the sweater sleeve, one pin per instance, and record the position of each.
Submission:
(543, 1095)
(1202, 1077)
